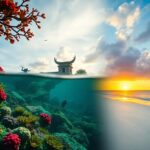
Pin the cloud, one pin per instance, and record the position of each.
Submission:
(143, 63)
(65, 53)
(69, 23)
(123, 19)
(120, 59)
(145, 35)
(42, 65)
(119, 56)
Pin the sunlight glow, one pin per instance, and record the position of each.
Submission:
(125, 86)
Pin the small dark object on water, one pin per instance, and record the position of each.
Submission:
(64, 103)
(25, 70)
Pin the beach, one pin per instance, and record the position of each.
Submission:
(127, 119)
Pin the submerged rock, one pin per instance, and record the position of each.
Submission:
(69, 142)
(9, 122)
(37, 109)
(17, 96)
(5, 110)
(80, 136)
(61, 123)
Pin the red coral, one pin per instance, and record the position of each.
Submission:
(1, 69)
(3, 95)
(11, 142)
(46, 118)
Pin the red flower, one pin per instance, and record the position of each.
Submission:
(11, 142)
(12, 41)
(46, 118)
(3, 95)
(1, 69)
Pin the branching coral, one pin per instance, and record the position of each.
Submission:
(54, 143)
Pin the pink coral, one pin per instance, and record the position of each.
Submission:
(3, 95)
(11, 142)
(46, 118)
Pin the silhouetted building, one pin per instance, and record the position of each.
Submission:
(65, 67)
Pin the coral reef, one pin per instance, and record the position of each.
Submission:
(19, 110)
(3, 132)
(9, 122)
(3, 95)
(45, 119)
(69, 141)
(11, 142)
(25, 120)
(23, 133)
(35, 142)
(54, 143)
(38, 122)
(5, 110)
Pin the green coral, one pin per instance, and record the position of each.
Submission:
(35, 142)
(5, 110)
(54, 143)
(23, 133)
(3, 132)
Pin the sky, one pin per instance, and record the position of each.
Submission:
(108, 38)
(124, 85)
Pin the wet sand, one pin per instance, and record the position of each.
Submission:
(127, 122)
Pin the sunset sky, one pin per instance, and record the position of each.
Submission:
(124, 85)
(107, 37)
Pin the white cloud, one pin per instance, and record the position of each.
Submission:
(42, 64)
(65, 54)
(124, 19)
(68, 24)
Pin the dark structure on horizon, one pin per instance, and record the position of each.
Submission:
(65, 67)
(25, 70)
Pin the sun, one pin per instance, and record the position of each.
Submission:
(125, 86)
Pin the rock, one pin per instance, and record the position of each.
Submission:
(89, 128)
(94, 133)
(80, 136)
(60, 123)
(37, 109)
(70, 142)
(17, 96)
(9, 122)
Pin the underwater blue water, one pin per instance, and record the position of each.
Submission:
(71, 102)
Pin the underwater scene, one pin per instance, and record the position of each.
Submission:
(48, 113)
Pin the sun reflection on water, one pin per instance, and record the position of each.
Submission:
(127, 97)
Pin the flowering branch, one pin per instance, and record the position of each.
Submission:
(15, 20)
